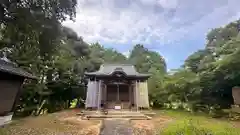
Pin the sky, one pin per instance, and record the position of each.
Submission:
(174, 28)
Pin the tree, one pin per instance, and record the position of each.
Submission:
(182, 87)
(219, 36)
(145, 60)
(151, 62)
(209, 74)
(193, 62)
(99, 55)
(40, 46)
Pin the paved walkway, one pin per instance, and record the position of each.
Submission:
(116, 127)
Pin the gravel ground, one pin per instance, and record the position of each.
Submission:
(116, 127)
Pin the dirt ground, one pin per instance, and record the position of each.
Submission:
(150, 127)
(62, 123)
(68, 123)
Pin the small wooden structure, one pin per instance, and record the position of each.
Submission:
(117, 86)
(11, 79)
(236, 95)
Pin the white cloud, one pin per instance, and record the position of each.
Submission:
(148, 21)
(168, 3)
(127, 53)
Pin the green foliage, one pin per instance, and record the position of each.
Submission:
(197, 60)
(146, 61)
(181, 90)
(219, 36)
(188, 127)
(206, 80)
(196, 124)
(99, 55)
(32, 36)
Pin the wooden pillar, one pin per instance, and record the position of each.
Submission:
(95, 92)
(130, 94)
(88, 100)
(105, 93)
(136, 94)
(99, 94)
(117, 92)
(147, 96)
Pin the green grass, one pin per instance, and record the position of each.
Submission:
(196, 124)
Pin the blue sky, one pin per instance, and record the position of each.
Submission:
(174, 28)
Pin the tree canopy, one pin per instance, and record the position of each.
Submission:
(214, 71)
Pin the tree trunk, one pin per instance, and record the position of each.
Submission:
(185, 97)
(40, 107)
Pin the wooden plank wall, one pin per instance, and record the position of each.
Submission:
(91, 99)
(9, 89)
(142, 93)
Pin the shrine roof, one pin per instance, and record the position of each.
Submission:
(11, 68)
(109, 69)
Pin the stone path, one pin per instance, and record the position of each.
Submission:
(116, 127)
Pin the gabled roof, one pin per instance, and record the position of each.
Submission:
(109, 69)
(11, 68)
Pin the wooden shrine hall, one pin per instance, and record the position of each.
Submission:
(117, 86)
(11, 80)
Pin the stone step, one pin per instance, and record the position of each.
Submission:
(151, 114)
(132, 117)
(124, 113)
(111, 113)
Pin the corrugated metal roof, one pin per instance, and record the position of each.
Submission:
(108, 69)
(11, 68)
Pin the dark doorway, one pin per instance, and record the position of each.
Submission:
(118, 94)
(112, 92)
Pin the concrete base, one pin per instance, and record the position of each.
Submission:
(6, 119)
(132, 115)
(148, 113)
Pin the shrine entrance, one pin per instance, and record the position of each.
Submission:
(119, 95)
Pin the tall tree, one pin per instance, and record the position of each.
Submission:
(146, 60)
(37, 46)
(197, 60)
